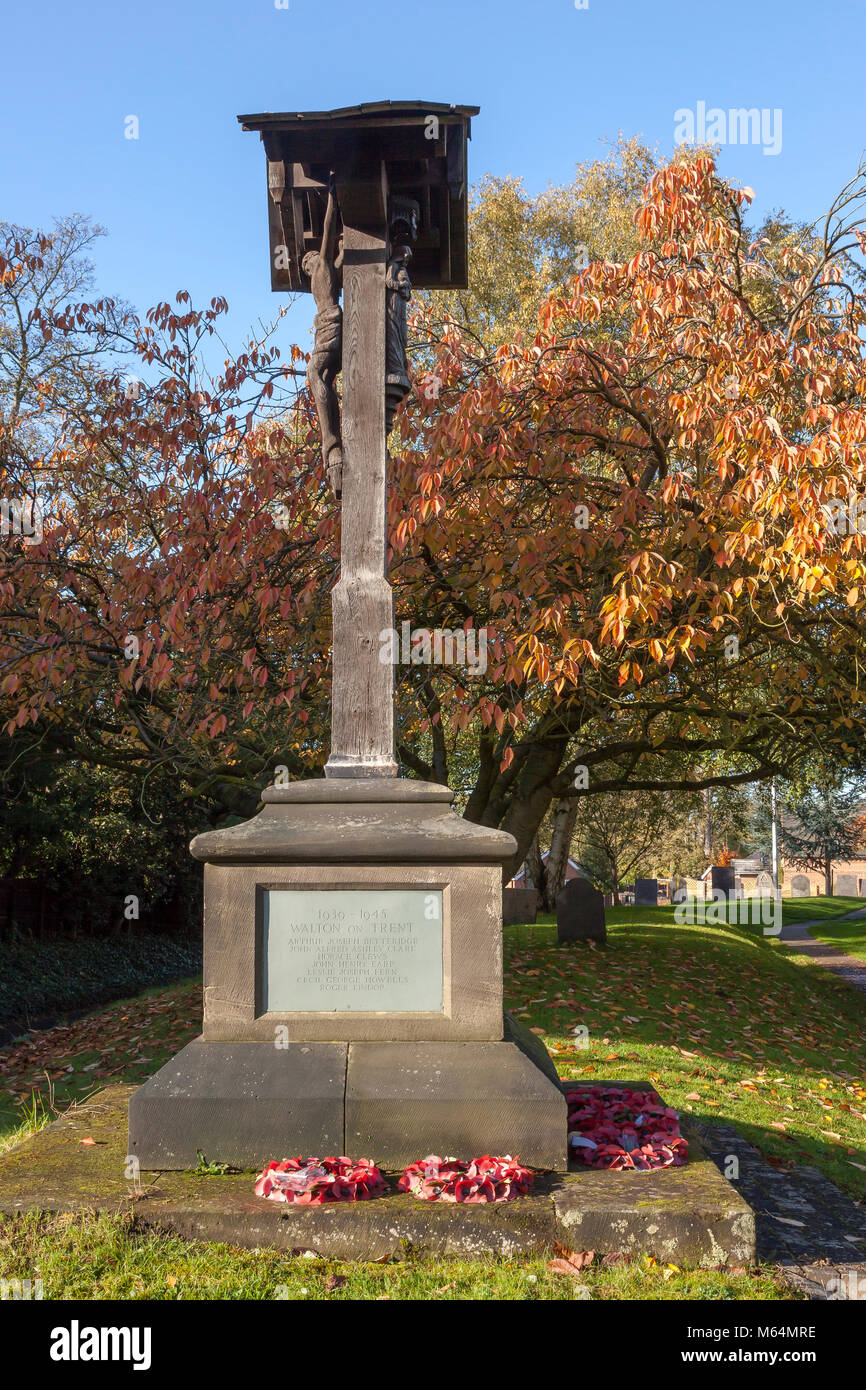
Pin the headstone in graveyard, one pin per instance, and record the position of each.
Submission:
(764, 885)
(580, 912)
(519, 905)
(646, 892)
(845, 885)
(353, 928)
(722, 880)
(800, 887)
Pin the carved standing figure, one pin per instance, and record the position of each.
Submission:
(324, 271)
(398, 292)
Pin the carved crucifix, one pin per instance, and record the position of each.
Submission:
(323, 268)
(375, 377)
(392, 175)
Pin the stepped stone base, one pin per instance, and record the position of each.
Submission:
(244, 1103)
(689, 1216)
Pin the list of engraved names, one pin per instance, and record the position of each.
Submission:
(350, 950)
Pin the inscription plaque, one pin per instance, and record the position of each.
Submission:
(352, 950)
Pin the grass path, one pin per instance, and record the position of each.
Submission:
(849, 936)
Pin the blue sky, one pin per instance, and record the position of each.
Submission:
(185, 204)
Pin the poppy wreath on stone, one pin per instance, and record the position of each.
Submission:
(622, 1129)
(487, 1179)
(313, 1181)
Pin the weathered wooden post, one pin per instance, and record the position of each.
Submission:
(353, 928)
(362, 704)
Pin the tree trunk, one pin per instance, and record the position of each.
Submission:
(828, 876)
(525, 805)
(534, 867)
(708, 824)
(564, 820)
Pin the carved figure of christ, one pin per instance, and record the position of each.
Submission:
(323, 268)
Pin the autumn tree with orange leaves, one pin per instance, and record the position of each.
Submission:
(172, 616)
(632, 504)
(616, 506)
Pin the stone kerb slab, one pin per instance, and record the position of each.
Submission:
(686, 1216)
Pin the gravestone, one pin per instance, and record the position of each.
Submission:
(580, 912)
(845, 885)
(800, 887)
(646, 892)
(722, 880)
(677, 889)
(519, 906)
(764, 885)
(353, 928)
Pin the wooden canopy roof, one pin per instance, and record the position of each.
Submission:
(422, 146)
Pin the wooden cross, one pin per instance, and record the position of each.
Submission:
(381, 156)
(362, 701)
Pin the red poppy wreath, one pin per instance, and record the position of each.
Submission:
(435, 1179)
(616, 1128)
(312, 1181)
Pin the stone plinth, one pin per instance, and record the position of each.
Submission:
(352, 990)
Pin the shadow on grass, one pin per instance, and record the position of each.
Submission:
(718, 1012)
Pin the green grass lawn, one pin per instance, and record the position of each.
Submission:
(108, 1258)
(845, 936)
(725, 1022)
(793, 909)
(814, 909)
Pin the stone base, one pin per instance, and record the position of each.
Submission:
(687, 1216)
(244, 1103)
(404, 1101)
(241, 1104)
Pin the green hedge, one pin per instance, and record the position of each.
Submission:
(43, 979)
